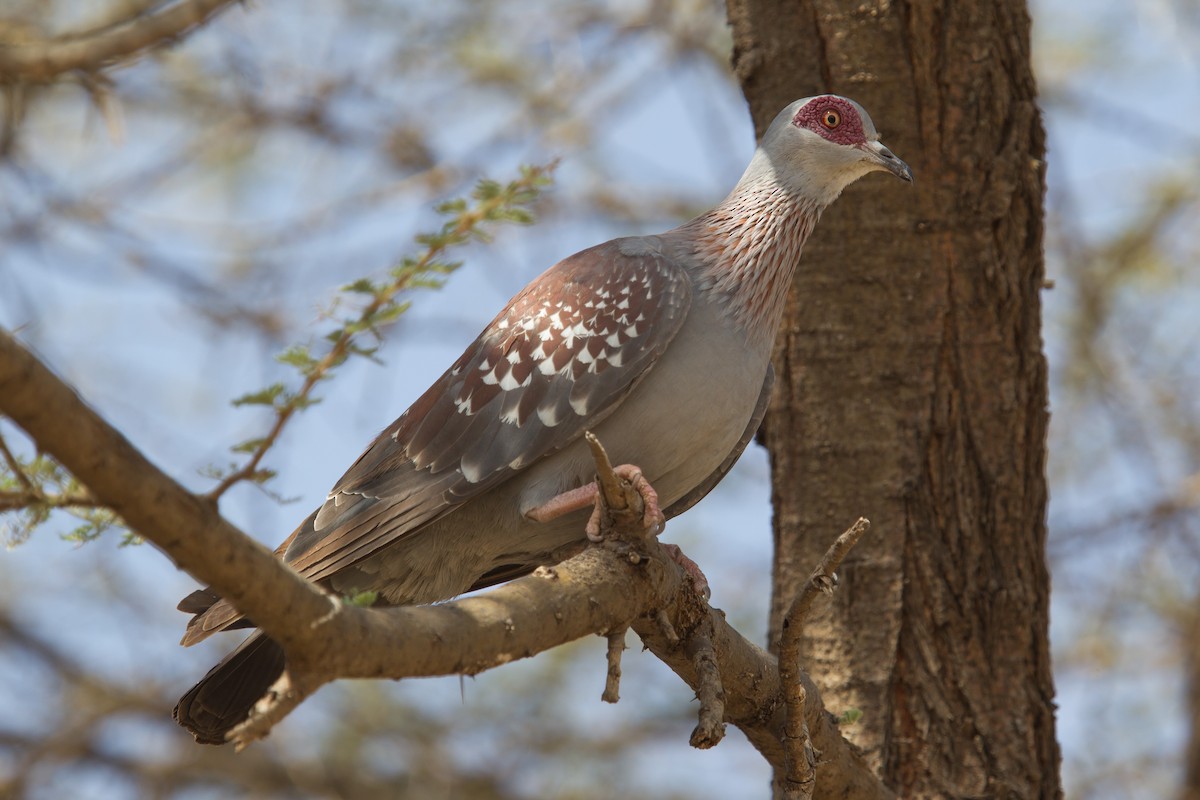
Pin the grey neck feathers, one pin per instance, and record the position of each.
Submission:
(747, 249)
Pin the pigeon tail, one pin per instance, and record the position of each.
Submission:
(223, 698)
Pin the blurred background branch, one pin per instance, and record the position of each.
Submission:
(25, 57)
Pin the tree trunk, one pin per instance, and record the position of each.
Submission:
(911, 389)
(1191, 677)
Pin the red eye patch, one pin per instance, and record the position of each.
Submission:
(833, 118)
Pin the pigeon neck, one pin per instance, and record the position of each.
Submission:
(748, 248)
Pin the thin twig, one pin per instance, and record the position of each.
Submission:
(343, 342)
(616, 646)
(17, 470)
(823, 580)
(607, 481)
(12, 501)
(800, 760)
(33, 494)
(710, 691)
(800, 774)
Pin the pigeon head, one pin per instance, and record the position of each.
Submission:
(820, 145)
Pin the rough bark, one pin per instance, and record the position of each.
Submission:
(912, 389)
(1191, 669)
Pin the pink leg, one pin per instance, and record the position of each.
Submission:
(584, 496)
(564, 503)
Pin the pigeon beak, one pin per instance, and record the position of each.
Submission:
(880, 157)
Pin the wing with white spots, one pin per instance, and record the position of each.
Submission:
(563, 355)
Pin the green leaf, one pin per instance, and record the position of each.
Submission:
(387, 314)
(263, 397)
(455, 206)
(300, 403)
(362, 599)
(297, 356)
(486, 189)
(83, 534)
(96, 521)
(261, 476)
(520, 216)
(361, 286)
(20, 525)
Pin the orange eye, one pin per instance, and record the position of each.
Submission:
(831, 119)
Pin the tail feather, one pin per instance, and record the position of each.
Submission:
(212, 614)
(220, 616)
(198, 601)
(223, 698)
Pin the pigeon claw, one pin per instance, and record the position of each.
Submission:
(699, 579)
(653, 520)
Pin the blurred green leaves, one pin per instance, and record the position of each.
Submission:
(31, 489)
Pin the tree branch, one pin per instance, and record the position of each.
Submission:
(799, 775)
(188, 530)
(613, 584)
(93, 50)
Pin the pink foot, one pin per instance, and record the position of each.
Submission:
(652, 517)
(699, 580)
(589, 495)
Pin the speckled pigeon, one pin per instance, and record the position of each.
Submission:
(660, 345)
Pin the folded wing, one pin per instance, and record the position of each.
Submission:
(560, 358)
